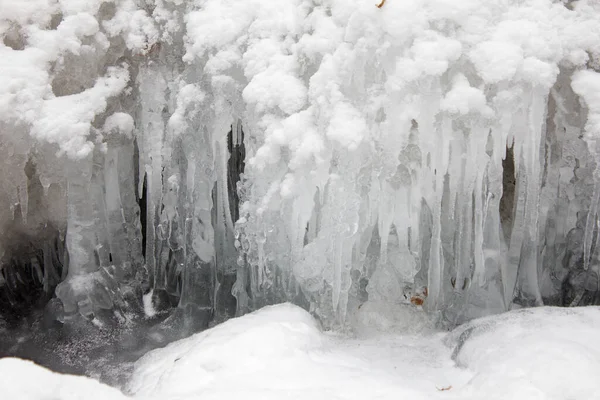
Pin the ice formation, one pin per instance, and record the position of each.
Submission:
(220, 155)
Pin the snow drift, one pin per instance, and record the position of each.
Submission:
(25, 380)
(279, 351)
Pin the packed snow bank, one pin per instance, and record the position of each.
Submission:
(544, 353)
(280, 352)
(250, 343)
(276, 351)
(24, 380)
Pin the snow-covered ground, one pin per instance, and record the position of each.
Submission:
(280, 352)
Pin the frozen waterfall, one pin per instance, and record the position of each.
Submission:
(209, 157)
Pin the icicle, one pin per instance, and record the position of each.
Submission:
(524, 237)
(80, 240)
(386, 218)
(337, 250)
(116, 224)
(481, 198)
(536, 125)
(224, 231)
(151, 144)
(436, 261)
(591, 227)
(121, 207)
(238, 134)
(23, 198)
(493, 245)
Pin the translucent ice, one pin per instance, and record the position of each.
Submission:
(224, 154)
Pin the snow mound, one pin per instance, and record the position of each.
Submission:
(24, 380)
(544, 353)
(239, 345)
(274, 352)
(280, 352)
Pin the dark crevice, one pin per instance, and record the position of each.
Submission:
(508, 193)
(235, 168)
(29, 274)
(142, 203)
(225, 279)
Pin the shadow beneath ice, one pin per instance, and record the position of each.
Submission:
(106, 353)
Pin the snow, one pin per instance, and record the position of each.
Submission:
(587, 85)
(280, 351)
(119, 123)
(374, 140)
(546, 353)
(67, 119)
(463, 98)
(149, 310)
(24, 380)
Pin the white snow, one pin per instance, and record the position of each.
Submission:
(119, 123)
(66, 120)
(587, 85)
(149, 309)
(24, 380)
(543, 353)
(280, 352)
(358, 122)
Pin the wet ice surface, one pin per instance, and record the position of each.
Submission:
(280, 352)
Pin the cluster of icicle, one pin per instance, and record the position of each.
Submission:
(427, 149)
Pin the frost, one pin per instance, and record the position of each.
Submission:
(67, 120)
(587, 85)
(347, 126)
(496, 61)
(119, 123)
(269, 90)
(463, 98)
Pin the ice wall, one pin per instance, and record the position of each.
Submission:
(219, 155)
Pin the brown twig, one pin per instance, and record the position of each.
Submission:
(380, 4)
(444, 388)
